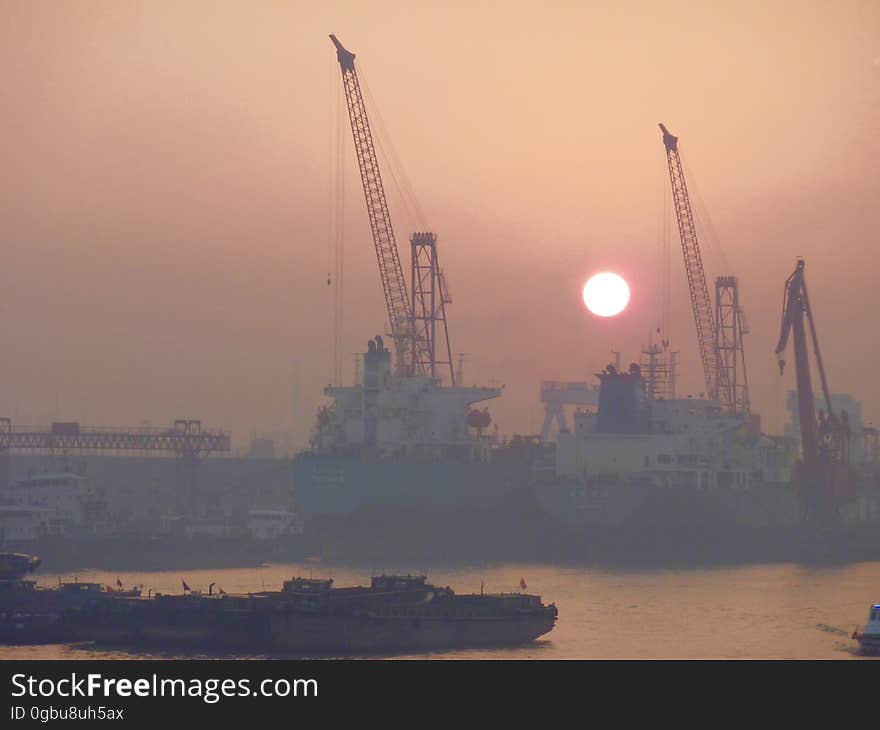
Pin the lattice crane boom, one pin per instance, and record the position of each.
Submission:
(714, 371)
(825, 442)
(390, 270)
(795, 309)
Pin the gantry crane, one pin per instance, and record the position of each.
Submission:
(719, 338)
(186, 438)
(824, 441)
(412, 324)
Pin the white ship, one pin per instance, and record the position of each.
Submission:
(641, 462)
(398, 444)
(403, 415)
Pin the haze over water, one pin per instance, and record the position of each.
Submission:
(780, 611)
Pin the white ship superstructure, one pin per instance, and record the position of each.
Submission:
(684, 442)
(55, 500)
(403, 415)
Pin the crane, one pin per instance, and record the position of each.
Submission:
(390, 270)
(719, 338)
(824, 442)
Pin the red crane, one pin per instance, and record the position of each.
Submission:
(390, 270)
(824, 441)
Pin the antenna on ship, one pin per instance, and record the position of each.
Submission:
(673, 372)
(460, 367)
(616, 360)
(357, 368)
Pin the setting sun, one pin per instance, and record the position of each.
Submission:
(606, 294)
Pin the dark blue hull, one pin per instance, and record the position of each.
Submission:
(335, 486)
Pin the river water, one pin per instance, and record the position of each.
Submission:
(777, 611)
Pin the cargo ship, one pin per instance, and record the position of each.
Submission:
(682, 479)
(74, 521)
(398, 450)
(14, 566)
(695, 478)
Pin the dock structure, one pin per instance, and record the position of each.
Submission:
(185, 438)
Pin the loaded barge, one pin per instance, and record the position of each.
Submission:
(394, 613)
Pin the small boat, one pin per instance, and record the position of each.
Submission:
(14, 566)
(869, 637)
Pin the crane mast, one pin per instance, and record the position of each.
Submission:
(719, 338)
(794, 307)
(730, 326)
(817, 440)
(693, 264)
(824, 442)
(390, 270)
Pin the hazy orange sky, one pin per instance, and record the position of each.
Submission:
(166, 167)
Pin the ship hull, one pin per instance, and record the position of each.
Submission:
(869, 644)
(19, 627)
(404, 512)
(618, 523)
(274, 625)
(299, 634)
(617, 505)
(380, 634)
(335, 486)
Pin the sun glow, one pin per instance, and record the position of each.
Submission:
(606, 294)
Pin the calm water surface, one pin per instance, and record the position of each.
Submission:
(778, 611)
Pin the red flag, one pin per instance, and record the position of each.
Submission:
(522, 584)
(119, 582)
(185, 586)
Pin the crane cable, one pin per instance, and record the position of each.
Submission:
(331, 212)
(393, 164)
(665, 227)
(340, 233)
(336, 220)
(703, 219)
